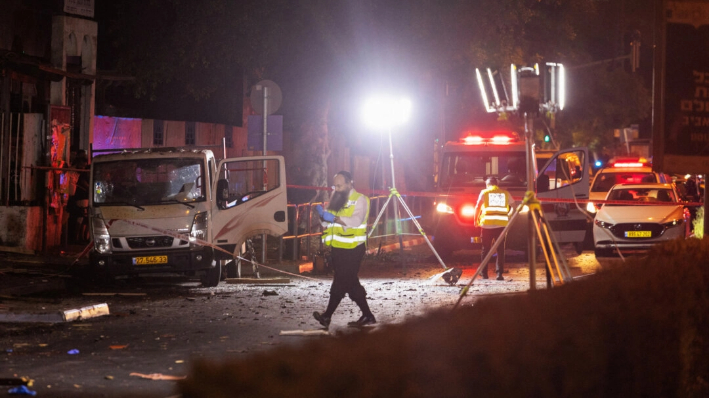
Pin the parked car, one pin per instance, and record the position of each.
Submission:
(657, 215)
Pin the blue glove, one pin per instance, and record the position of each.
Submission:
(327, 216)
(319, 209)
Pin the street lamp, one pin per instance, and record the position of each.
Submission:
(384, 114)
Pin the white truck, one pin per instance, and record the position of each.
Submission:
(466, 163)
(173, 210)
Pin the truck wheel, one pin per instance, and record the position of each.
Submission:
(579, 247)
(231, 269)
(211, 278)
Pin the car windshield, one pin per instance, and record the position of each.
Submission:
(471, 169)
(605, 181)
(642, 195)
(148, 181)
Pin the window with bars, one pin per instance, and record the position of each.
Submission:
(189, 133)
(228, 136)
(158, 132)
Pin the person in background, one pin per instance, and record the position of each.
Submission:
(492, 214)
(345, 231)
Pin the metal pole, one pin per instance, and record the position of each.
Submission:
(531, 242)
(265, 139)
(706, 201)
(397, 222)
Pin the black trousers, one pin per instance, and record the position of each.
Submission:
(345, 264)
(488, 237)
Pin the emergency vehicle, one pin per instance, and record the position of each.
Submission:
(179, 211)
(622, 171)
(464, 166)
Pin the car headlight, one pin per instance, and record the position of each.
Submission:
(444, 208)
(672, 223)
(604, 224)
(199, 227)
(102, 240)
(590, 207)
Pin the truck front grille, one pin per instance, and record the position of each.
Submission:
(149, 242)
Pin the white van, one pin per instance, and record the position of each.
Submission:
(177, 210)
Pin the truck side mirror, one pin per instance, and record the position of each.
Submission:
(222, 193)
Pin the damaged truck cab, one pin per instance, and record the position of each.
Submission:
(179, 211)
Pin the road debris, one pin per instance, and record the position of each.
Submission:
(158, 376)
(114, 294)
(16, 381)
(91, 311)
(299, 332)
(270, 293)
(258, 280)
(21, 390)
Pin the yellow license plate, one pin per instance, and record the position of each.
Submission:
(149, 260)
(638, 234)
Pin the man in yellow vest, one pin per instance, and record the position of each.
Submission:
(345, 230)
(492, 214)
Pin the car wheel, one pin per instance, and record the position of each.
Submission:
(213, 275)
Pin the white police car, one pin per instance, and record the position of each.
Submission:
(622, 171)
(656, 215)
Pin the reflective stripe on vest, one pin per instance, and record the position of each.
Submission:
(495, 207)
(336, 236)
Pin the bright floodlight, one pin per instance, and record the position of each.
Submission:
(386, 112)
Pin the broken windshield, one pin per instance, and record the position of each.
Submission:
(148, 181)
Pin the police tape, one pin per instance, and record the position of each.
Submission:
(516, 198)
(200, 242)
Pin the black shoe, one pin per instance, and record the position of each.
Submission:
(364, 320)
(499, 277)
(324, 320)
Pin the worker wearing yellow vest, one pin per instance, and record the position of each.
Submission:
(492, 214)
(345, 231)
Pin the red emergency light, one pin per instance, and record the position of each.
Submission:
(497, 139)
(501, 139)
(473, 140)
(467, 211)
(630, 162)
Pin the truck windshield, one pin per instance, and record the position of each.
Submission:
(470, 169)
(148, 181)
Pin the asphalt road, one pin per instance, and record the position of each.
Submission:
(158, 325)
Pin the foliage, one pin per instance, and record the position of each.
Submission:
(698, 224)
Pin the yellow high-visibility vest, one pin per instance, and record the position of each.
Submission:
(336, 236)
(495, 207)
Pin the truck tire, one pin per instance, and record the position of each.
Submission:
(579, 247)
(213, 275)
(231, 269)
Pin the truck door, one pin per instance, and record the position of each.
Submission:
(249, 198)
(566, 176)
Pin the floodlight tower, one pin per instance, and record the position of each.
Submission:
(384, 114)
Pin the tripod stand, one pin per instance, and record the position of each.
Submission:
(450, 275)
(547, 240)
